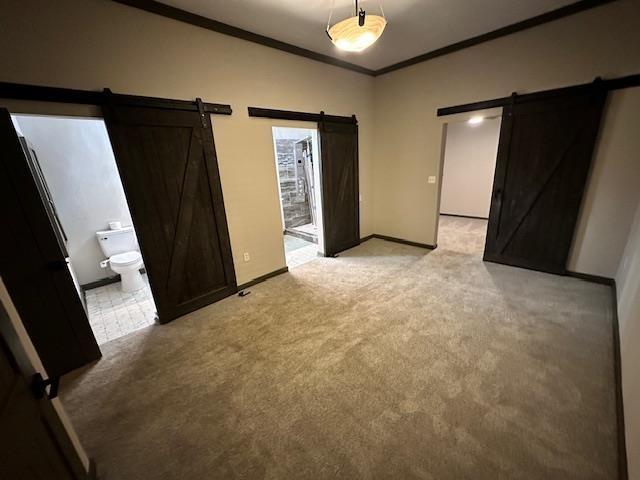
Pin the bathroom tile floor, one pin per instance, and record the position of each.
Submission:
(114, 313)
(299, 251)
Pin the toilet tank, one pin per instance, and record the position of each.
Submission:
(117, 241)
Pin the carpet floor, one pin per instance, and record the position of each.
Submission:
(388, 362)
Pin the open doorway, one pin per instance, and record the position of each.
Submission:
(297, 163)
(470, 151)
(73, 165)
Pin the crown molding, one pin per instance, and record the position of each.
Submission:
(180, 15)
(199, 21)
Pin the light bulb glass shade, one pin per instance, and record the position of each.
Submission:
(348, 35)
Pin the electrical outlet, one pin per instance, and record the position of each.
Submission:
(431, 179)
(247, 257)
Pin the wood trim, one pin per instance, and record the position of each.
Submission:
(628, 81)
(262, 278)
(100, 283)
(180, 15)
(299, 116)
(21, 91)
(92, 473)
(226, 29)
(587, 277)
(474, 106)
(562, 12)
(623, 472)
(104, 281)
(398, 240)
(462, 216)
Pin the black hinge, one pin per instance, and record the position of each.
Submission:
(39, 386)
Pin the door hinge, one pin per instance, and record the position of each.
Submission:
(39, 386)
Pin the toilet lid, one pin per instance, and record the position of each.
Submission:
(126, 258)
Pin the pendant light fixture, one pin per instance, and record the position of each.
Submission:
(356, 33)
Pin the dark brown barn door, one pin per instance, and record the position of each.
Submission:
(340, 190)
(544, 155)
(167, 162)
(33, 441)
(34, 268)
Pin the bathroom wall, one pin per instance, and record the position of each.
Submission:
(469, 164)
(77, 161)
(628, 289)
(294, 190)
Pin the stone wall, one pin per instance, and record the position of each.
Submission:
(293, 188)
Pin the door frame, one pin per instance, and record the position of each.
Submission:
(315, 118)
(489, 107)
(44, 96)
(445, 121)
(317, 166)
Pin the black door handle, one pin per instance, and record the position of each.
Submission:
(39, 386)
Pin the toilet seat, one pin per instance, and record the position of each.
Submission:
(125, 259)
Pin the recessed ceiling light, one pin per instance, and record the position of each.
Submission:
(476, 120)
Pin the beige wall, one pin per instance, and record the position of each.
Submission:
(71, 43)
(628, 283)
(613, 190)
(92, 44)
(78, 164)
(604, 41)
(469, 164)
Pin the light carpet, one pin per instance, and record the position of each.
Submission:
(388, 362)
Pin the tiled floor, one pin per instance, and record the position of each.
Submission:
(309, 228)
(298, 251)
(113, 313)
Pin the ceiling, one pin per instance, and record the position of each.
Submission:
(415, 26)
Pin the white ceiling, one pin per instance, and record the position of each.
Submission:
(415, 26)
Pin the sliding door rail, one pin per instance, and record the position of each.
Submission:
(21, 91)
(300, 116)
(612, 84)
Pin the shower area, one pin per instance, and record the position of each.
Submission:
(298, 175)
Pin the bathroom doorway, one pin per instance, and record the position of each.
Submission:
(298, 167)
(73, 164)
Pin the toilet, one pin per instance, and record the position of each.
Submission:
(120, 246)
